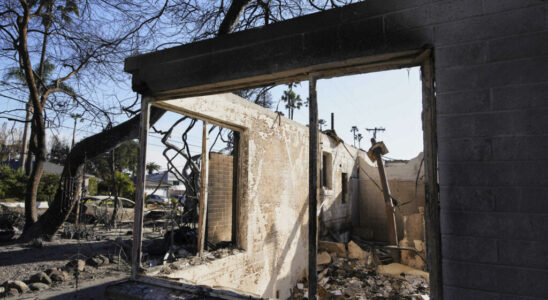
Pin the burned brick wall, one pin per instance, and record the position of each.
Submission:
(219, 210)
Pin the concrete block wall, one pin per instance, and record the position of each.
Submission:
(491, 69)
(219, 209)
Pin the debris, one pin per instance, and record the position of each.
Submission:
(346, 278)
(395, 269)
(38, 286)
(40, 277)
(323, 258)
(332, 247)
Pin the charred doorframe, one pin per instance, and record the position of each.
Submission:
(239, 138)
(389, 61)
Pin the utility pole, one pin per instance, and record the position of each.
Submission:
(359, 137)
(354, 129)
(75, 117)
(375, 131)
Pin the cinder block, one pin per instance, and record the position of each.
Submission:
(532, 254)
(463, 102)
(459, 55)
(519, 47)
(522, 199)
(447, 11)
(451, 292)
(520, 281)
(469, 249)
(470, 224)
(467, 198)
(521, 96)
(494, 174)
(513, 22)
(408, 19)
(466, 149)
(520, 148)
(490, 6)
(493, 75)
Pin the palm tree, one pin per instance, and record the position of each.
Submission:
(321, 122)
(152, 167)
(292, 100)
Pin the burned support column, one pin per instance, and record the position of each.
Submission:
(312, 188)
(375, 153)
(140, 191)
(203, 193)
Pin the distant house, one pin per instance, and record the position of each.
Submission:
(164, 184)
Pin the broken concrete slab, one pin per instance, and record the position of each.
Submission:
(356, 252)
(332, 247)
(323, 258)
(395, 269)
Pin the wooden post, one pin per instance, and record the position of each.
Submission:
(432, 205)
(312, 188)
(202, 218)
(140, 191)
(235, 183)
(389, 204)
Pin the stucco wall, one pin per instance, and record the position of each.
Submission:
(272, 200)
(402, 181)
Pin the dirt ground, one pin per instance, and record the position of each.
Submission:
(19, 261)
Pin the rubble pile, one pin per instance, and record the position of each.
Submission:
(355, 275)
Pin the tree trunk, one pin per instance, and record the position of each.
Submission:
(117, 201)
(90, 147)
(25, 144)
(38, 135)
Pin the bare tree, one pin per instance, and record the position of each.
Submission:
(92, 52)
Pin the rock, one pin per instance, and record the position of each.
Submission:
(356, 252)
(18, 285)
(332, 247)
(12, 292)
(323, 258)
(78, 264)
(38, 286)
(57, 275)
(97, 260)
(40, 277)
(349, 292)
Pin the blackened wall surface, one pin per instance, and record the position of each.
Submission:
(491, 72)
